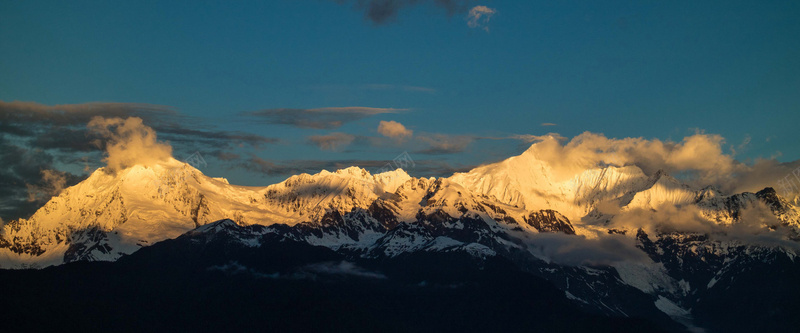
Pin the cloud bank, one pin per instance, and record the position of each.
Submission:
(756, 225)
(699, 159)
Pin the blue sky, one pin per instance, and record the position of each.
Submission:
(648, 69)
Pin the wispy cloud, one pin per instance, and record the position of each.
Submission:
(372, 87)
(548, 124)
(18, 112)
(742, 146)
(344, 268)
(398, 87)
(307, 272)
(215, 138)
(577, 250)
(53, 182)
(439, 144)
(225, 155)
(320, 118)
(26, 174)
(334, 141)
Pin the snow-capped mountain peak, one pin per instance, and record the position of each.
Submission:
(112, 214)
(531, 183)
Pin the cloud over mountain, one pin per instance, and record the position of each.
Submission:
(37, 138)
(129, 142)
(699, 159)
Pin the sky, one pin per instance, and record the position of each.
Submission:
(267, 89)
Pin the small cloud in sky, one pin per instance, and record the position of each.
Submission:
(548, 124)
(479, 16)
(319, 118)
(384, 11)
(333, 141)
(394, 130)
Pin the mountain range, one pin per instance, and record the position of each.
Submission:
(610, 247)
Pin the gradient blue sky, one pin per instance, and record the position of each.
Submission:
(655, 69)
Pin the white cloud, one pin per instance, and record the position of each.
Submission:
(700, 153)
(479, 16)
(394, 130)
(699, 159)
